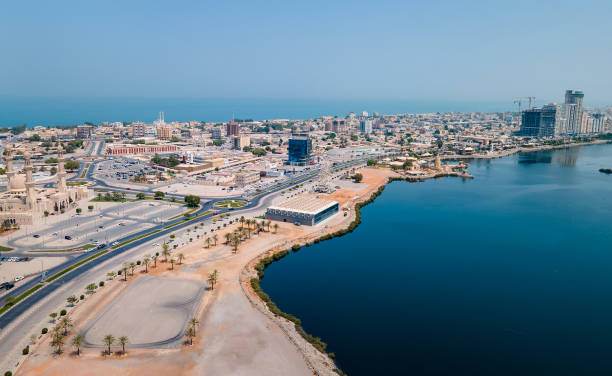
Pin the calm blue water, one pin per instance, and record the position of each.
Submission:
(506, 274)
(69, 111)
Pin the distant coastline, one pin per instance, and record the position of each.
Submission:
(44, 111)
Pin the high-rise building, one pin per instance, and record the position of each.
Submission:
(83, 131)
(164, 132)
(239, 142)
(138, 130)
(300, 149)
(573, 111)
(215, 134)
(365, 126)
(541, 122)
(232, 129)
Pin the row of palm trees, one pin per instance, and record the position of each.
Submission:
(151, 259)
(191, 330)
(109, 340)
(248, 222)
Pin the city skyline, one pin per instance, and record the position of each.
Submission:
(437, 51)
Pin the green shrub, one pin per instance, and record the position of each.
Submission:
(63, 312)
(26, 350)
(8, 373)
(44, 331)
(82, 297)
(101, 283)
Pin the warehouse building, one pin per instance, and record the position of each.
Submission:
(303, 210)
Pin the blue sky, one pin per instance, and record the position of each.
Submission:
(457, 50)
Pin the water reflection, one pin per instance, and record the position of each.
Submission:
(564, 157)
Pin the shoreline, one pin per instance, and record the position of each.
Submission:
(510, 152)
(253, 273)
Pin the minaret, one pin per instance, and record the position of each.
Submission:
(437, 163)
(10, 174)
(61, 173)
(29, 183)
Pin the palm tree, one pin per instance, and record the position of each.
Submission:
(108, 341)
(268, 224)
(212, 279)
(172, 264)
(190, 332)
(146, 260)
(208, 241)
(77, 342)
(262, 224)
(125, 268)
(242, 220)
(181, 257)
(275, 228)
(248, 229)
(215, 238)
(58, 341)
(65, 324)
(228, 237)
(165, 251)
(235, 243)
(154, 257)
(123, 340)
(53, 315)
(72, 299)
(132, 266)
(194, 323)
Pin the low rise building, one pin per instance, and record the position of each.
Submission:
(306, 210)
(244, 178)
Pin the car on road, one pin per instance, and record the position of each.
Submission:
(7, 285)
(101, 226)
(114, 243)
(19, 278)
(155, 244)
(36, 236)
(68, 237)
(121, 224)
(101, 246)
(55, 234)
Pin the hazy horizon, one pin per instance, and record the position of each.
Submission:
(439, 50)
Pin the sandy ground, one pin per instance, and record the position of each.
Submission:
(237, 335)
(148, 320)
(10, 270)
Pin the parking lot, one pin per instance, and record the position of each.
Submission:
(121, 170)
(106, 223)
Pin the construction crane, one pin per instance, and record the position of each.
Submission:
(519, 101)
(531, 99)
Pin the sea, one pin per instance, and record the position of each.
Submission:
(509, 273)
(51, 111)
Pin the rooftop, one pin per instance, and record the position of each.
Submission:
(305, 204)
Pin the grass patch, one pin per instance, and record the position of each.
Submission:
(187, 219)
(8, 306)
(81, 248)
(230, 203)
(180, 215)
(134, 239)
(5, 249)
(76, 183)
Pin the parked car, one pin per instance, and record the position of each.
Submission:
(17, 279)
(36, 236)
(68, 237)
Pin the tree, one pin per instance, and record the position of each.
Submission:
(242, 220)
(108, 341)
(171, 264)
(140, 196)
(154, 257)
(123, 340)
(215, 238)
(90, 288)
(194, 323)
(57, 340)
(235, 243)
(192, 200)
(190, 333)
(72, 165)
(159, 195)
(228, 237)
(166, 251)
(275, 228)
(53, 315)
(125, 268)
(132, 266)
(66, 323)
(181, 257)
(77, 342)
(90, 207)
(53, 171)
(212, 279)
(259, 152)
(72, 300)
(208, 241)
(358, 177)
(79, 210)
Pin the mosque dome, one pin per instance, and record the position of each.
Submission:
(18, 182)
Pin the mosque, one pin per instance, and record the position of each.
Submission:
(22, 201)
